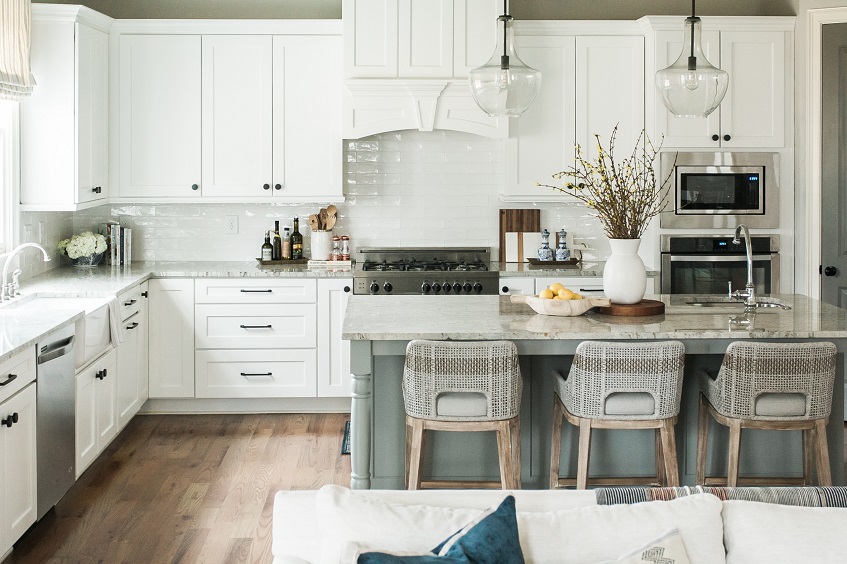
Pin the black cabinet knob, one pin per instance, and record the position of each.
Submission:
(143, 294)
(830, 271)
(505, 289)
(266, 186)
(97, 189)
(195, 187)
(10, 420)
(716, 137)
(347, 289)
(277, 186)
(100, 374)
(727, 137)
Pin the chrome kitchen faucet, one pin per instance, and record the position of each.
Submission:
(10, 289)
(749, 295)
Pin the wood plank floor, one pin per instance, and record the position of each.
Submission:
(188, 488)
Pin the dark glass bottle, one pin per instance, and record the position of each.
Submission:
(296, 241)
(267, 248)
(277, 243)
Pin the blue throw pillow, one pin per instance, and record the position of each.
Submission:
(491, 538)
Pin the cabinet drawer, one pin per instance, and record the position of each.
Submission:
(130, 302)
(230, 326)
(16, 373)
(591, 286)
(517, 285)
(241, 291)
(256, 374)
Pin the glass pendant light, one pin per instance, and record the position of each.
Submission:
(691, 86)
(505, 85)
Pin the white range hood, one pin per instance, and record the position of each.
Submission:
(373, 105)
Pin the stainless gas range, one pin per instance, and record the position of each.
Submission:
(445, 271)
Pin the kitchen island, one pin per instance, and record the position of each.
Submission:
(379, 329)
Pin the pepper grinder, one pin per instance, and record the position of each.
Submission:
(562, 250)
(336, 248)
(345, 247)
(545, 252)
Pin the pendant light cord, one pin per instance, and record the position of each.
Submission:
(692, 60)
(504, 59)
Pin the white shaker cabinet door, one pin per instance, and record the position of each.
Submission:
(129, 400)
(541, 142)
(474, 34)
(334, 378)
(160, 114)
(237, 115)
(753, 111)
(171, 334)
(425, 38)
(307, 116)
(610, 91)
(92, 52)
(370, 38)
(17, 467)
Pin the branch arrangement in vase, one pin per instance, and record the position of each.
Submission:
(626, 195)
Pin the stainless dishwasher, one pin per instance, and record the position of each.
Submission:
(55, 390)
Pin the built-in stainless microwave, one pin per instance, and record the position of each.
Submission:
(721, 190)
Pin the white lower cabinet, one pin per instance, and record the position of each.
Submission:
(588, 286)
(517, 285)
(280, 373)
(96, 409)
(132, 355)
(17, 464)
(254, 326)
(171, 334)
(333, 352)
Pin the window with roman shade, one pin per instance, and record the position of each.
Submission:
(16, 79)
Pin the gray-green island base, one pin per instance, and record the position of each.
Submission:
(380, 327)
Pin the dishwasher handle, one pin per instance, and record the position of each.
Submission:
(56, 350)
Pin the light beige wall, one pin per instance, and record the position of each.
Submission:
(521, 9)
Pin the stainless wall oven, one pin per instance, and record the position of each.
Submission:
(721, 190)
(705, 264)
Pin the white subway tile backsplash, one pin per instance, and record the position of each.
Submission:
(407, 188)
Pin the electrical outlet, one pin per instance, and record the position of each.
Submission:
(40, 233)
(231, 224)
(27, 233)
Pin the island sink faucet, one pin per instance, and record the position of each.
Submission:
(10, 289)
(749, 294)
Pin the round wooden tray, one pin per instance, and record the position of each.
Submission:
(641, 309)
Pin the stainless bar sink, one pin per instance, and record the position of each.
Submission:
(728, 302)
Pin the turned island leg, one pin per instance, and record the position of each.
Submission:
(361, 408)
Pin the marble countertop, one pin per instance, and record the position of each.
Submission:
(23, 324)
(586, 269)
(495, 317)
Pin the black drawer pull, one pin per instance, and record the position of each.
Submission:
(256, 326)
(347, 289)
(257, 374)
(10, 420)
(591, 289)
(100, 374)
(11, 378)
(143, 294)
(129, 303)
(256, 291)
(133, 326)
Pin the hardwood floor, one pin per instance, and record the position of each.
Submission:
(188, 488)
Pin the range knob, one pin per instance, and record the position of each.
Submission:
(477, 287)
(425, 288)
(457, 288)
(467, 287)
(387, 286)
(374, 287)
(436, 287)
(447, 288)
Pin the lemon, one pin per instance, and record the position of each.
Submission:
(546, 294)
(560, 298)
(576, 297)
(566, 294)
(556, 287)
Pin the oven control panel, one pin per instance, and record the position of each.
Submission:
(445, 285)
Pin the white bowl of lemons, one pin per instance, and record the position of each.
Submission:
(556, 299)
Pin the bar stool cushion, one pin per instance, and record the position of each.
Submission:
(461, 404)
(629, 403)
(773, 404)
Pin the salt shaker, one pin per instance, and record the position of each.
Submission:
(336, 248)
(562, 250)
(545, 252)
(345, 247)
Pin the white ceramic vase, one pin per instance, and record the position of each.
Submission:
(624, 277)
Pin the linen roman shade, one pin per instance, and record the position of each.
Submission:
(16, 79)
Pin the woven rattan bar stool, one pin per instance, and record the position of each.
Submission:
(777, 386)
(615, 385)
(463, 386)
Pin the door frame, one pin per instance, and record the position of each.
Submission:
(816, 19)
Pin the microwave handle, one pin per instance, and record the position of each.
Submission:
(718, 258)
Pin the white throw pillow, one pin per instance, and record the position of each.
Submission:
(668, 549)
(346, 517)
(605, 532)
(757, 532)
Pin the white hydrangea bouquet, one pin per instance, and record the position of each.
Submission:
(84, 249)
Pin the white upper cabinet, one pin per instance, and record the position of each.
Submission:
(417, 38)
(65, 121)
(590, 84)
(756, 52)
(160, 116)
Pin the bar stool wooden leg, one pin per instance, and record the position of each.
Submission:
(556, 444)
(416, 454)
(584, 453)
(734, 452)
(808, 447)
(660, 460)
(669, 453)
(702, 441)
(515, 431)
(504, 454)
(408, 452)
(822, 454)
